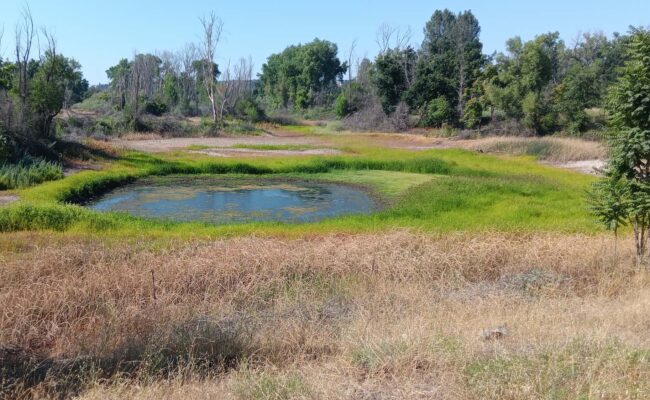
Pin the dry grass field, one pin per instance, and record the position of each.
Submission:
(393, 315)
(551, 149)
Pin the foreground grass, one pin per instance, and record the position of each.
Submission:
(440, 190)
(390, 315)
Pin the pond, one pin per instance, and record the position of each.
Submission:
(224, 201)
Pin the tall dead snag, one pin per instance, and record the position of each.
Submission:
(212, 28)
(24, 39)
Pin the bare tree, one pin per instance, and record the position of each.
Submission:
(212, 29)
(243, 76)
(46, 115)
(187, 56)
(353, 46)
(403, 38)
(350, 55)
(384, 36)
(24, 41)
(226, 88)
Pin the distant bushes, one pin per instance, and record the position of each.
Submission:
(155, 107)
(28, 172)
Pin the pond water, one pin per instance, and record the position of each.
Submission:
(223, 201)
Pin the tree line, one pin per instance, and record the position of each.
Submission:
(537, 86)
(34, 88)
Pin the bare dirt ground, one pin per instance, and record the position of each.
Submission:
(229, 152)
(591, 167)
(164, 145)
(573, 154)
(6, 199)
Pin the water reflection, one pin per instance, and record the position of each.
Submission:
(227, 202)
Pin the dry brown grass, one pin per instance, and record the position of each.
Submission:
(552, 149)
(395, 315)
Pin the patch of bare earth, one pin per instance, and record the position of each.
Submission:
(228, 152)
(164, 145)
(591, 167)
(6, 199)
(397, 315)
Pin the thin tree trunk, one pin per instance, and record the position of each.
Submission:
(637, 243)
(616, 246)
(648, 246)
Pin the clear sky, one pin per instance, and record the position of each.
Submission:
(98, 32)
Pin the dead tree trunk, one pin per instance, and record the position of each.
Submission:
(212, 28)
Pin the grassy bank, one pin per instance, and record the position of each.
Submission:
(434, 190)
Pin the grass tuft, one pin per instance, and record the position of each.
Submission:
(28, 172)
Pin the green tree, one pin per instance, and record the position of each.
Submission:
(390, 76)
(297, 75)
(171, 89)
(450, 60)
(119, 76)
(6, 75)
(575, 93)
(526, 76)
(48, 89)
(624, 194)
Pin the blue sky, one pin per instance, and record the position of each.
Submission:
(99, 33)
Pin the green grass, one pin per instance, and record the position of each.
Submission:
(271, 147)
(435, 190)
(28, 172)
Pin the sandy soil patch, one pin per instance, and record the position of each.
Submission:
(591, 167)
(229, 152)
(164, 145)
(6, 199)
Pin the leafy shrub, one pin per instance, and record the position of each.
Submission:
(249, 110)
(472, 114)
(335, 126)
(99, 102)
(241, 128)
(208, 127)
(437, 113)
(155, 107)
(342, 106)
(28, 172)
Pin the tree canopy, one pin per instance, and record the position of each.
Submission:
(623, 196)
(297, 75)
